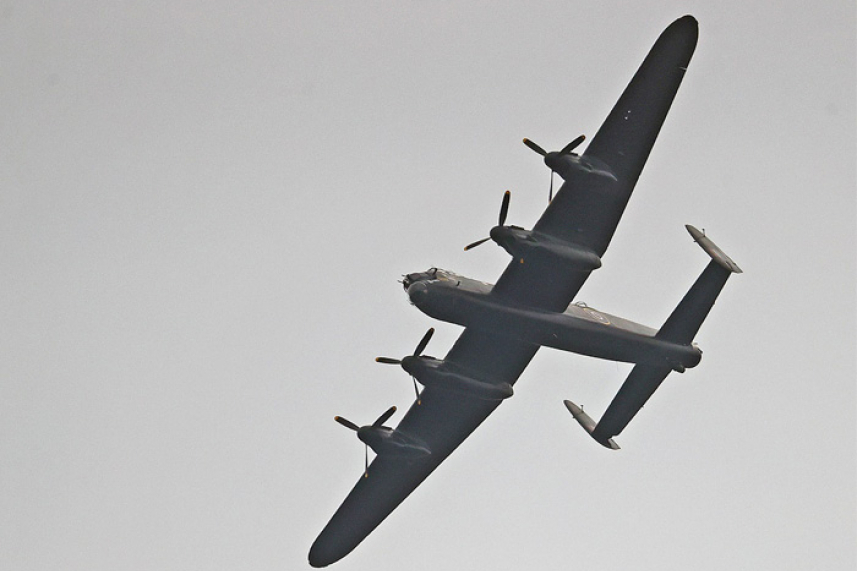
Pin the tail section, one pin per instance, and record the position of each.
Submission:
(684, 322)
(588, 424)
(641, 384)
(679, 328)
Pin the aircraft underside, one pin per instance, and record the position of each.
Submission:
(530, 307)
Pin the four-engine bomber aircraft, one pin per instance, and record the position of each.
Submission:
(505, 324)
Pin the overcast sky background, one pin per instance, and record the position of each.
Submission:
(204, 209)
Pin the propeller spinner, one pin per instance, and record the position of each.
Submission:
(566, 150)
(417, 352)
(362, 430)
(504, 210)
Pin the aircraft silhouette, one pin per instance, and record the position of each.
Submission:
(530, 306)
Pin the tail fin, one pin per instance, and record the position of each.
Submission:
(588, 424)
(684, 322)
(680, 327)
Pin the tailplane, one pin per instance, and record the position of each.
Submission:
(680, 328)
(684, 322)
(589, 425)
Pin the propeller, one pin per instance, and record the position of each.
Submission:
(346, 423)
(566, 150)
(377, 424)
(417, 352)
(504, 210)
(384, 417)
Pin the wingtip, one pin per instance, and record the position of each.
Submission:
(316, 559)
(325, 552)
(687, 21)
(686, 27)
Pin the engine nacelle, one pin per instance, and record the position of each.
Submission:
(431, 372)
(388, 442)
(527, 245)
(465, 385)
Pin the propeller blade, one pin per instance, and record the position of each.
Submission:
(572, 145)
(550, 192)
(417, 390)
(535, 147)
(384, 417)
(365, 460)
(388, 361)
(346, 423)
(504, 208)
(476, 243)
(423, 342)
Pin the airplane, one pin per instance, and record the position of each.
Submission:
(531, 306)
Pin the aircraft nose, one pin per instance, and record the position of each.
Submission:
(418, 292)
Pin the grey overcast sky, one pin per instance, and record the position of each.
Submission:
(204, 209)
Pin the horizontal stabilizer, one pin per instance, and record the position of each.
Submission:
(640, 385)
(684, 322)
(588, 424)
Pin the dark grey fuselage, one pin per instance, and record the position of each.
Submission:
(579, 329)
(505, 324)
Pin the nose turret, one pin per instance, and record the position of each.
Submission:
(418, 292)
(408, 280)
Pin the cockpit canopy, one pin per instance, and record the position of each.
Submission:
(428, 275)
(446, 278)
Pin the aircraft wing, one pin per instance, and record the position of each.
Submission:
(442, 422)
(587, 209)
(588, 206)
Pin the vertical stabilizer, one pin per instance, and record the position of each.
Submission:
(588, 424)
